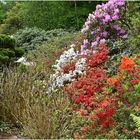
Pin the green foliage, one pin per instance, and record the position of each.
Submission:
(31, 38)
(4, 7)
(8, 52)
(4, 126)
(46, 54)
(6, 41)
(50, 15)
(137, 87)
(137, 121)
(47, 15)
(134, 16)
(13, 20)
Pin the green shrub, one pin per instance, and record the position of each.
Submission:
(137, 121)
(134, 16)
(13, 20)
(8, 52)
(4, 8)
(6, 41)
(31, 38)
(4, 126)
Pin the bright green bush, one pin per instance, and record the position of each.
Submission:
(4, 8)
(134, 16)
(137, 121)
(13, 20)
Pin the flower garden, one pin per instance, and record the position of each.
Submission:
(87, 90)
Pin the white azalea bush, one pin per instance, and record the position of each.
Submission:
(59, 78)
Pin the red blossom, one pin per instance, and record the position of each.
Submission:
(69, 67)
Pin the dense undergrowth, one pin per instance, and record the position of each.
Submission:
(81, 85)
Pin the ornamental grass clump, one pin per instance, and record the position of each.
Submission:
(24, 103)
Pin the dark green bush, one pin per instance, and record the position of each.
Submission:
(8, 52)
(6, 42)
(29, 38)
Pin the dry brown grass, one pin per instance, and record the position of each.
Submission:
(26, 104)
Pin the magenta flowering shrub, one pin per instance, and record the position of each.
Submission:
(102, 25)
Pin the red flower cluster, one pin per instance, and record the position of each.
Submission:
(85, 91)
(132, 71)
(86, 86)
(98, 58)
(129, 73)
(69, 67)
(89, 92)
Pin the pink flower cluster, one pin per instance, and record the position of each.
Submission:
(101, 25)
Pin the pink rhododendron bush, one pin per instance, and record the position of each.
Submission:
(106, 100)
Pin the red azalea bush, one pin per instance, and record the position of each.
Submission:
(87, 92)
(97, 96)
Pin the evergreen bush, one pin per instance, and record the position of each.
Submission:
(8, 51)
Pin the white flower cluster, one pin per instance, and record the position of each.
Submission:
(59, 78)
(65, 58)
(24, 61)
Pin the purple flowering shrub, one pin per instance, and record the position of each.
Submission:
(103, 25)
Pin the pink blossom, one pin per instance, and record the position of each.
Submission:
(107, 18)
(115, 17)
(116, 26)
(122, 31)
(116, 11)
(120, 2)
(97, 38)
(100, 23)
(125, 36)
(94, 43)
(98, 6)
(105, 33)
(85, 41)
(82, 47)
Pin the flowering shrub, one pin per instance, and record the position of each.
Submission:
(62, 75)
(101, 25)
(98, 96)
(127, 63)
(86, 92)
